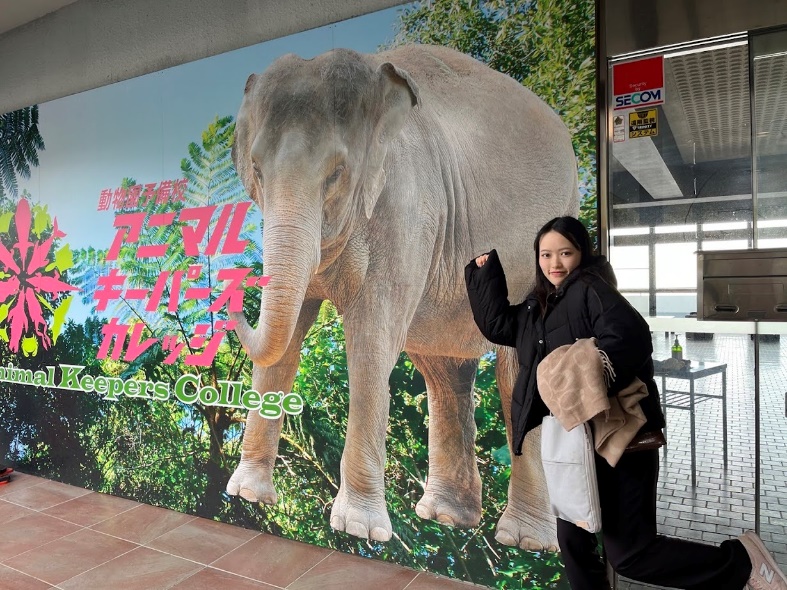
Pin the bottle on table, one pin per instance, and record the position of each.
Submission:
(677, 349)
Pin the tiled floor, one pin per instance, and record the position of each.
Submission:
(722, 504)
(58, 536)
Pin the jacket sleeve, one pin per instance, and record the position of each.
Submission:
(622, 333)
(488, 293)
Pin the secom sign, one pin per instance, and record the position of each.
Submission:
(638, 83)
(639, 99)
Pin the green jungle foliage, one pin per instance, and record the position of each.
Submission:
(20, 143)
(547, 45)
(181, 456)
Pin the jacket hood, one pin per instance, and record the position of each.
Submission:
(598, 267)
(602, 269)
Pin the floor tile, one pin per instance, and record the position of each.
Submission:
(202, 540)
(69, 556)
(13, 580)
(210, 579)
(271, 559)
(91, 508)
(142, 524)
(20, 481)
(140, 569)
(40, 497)
(33, 531)
(340, 571)
(10, 512)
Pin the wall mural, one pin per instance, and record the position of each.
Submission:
(327, 189)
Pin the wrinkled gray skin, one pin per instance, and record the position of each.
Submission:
(379, 176)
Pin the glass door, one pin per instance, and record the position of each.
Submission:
(680, 180)
(769, 86)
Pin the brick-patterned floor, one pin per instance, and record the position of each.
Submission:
(722, 505)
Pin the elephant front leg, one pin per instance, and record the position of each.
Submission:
(527, 521)
(253, 478)
(453, 488)
(359, 507)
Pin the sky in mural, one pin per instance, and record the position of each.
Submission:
(140, 128)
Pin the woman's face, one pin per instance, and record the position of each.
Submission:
(557, 257)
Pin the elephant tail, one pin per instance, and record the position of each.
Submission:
(506, 371)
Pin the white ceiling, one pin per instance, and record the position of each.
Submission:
(14, 13)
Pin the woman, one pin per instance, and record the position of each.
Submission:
(576, 297)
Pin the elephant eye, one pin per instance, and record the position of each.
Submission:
(335, 175)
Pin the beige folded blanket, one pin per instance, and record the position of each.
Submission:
(573, 381)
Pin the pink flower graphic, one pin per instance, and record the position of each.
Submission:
(28, 279)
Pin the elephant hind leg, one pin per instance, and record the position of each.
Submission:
(453, 488)
(527, 521)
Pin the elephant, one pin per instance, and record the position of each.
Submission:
(379, 176)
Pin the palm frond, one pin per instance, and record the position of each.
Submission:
(20, 142)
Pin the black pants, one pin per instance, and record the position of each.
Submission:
(632, 547)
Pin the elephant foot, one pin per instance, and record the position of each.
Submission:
(362, 518)
(252, 482)
(529, 532)
(460, 509)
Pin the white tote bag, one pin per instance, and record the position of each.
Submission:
(570, 470)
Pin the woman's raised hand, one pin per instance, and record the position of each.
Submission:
(481, 260)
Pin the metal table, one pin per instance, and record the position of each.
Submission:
(687, 400)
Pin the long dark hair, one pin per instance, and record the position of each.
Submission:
(571, 229)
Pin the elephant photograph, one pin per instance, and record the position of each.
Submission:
(294, 217)
(379, 176)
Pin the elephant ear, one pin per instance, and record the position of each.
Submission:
(399, 95)
(240, 148)
(250, 83)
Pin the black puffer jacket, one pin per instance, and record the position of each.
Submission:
(587, 304)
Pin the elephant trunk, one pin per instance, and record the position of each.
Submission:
(291, 255)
